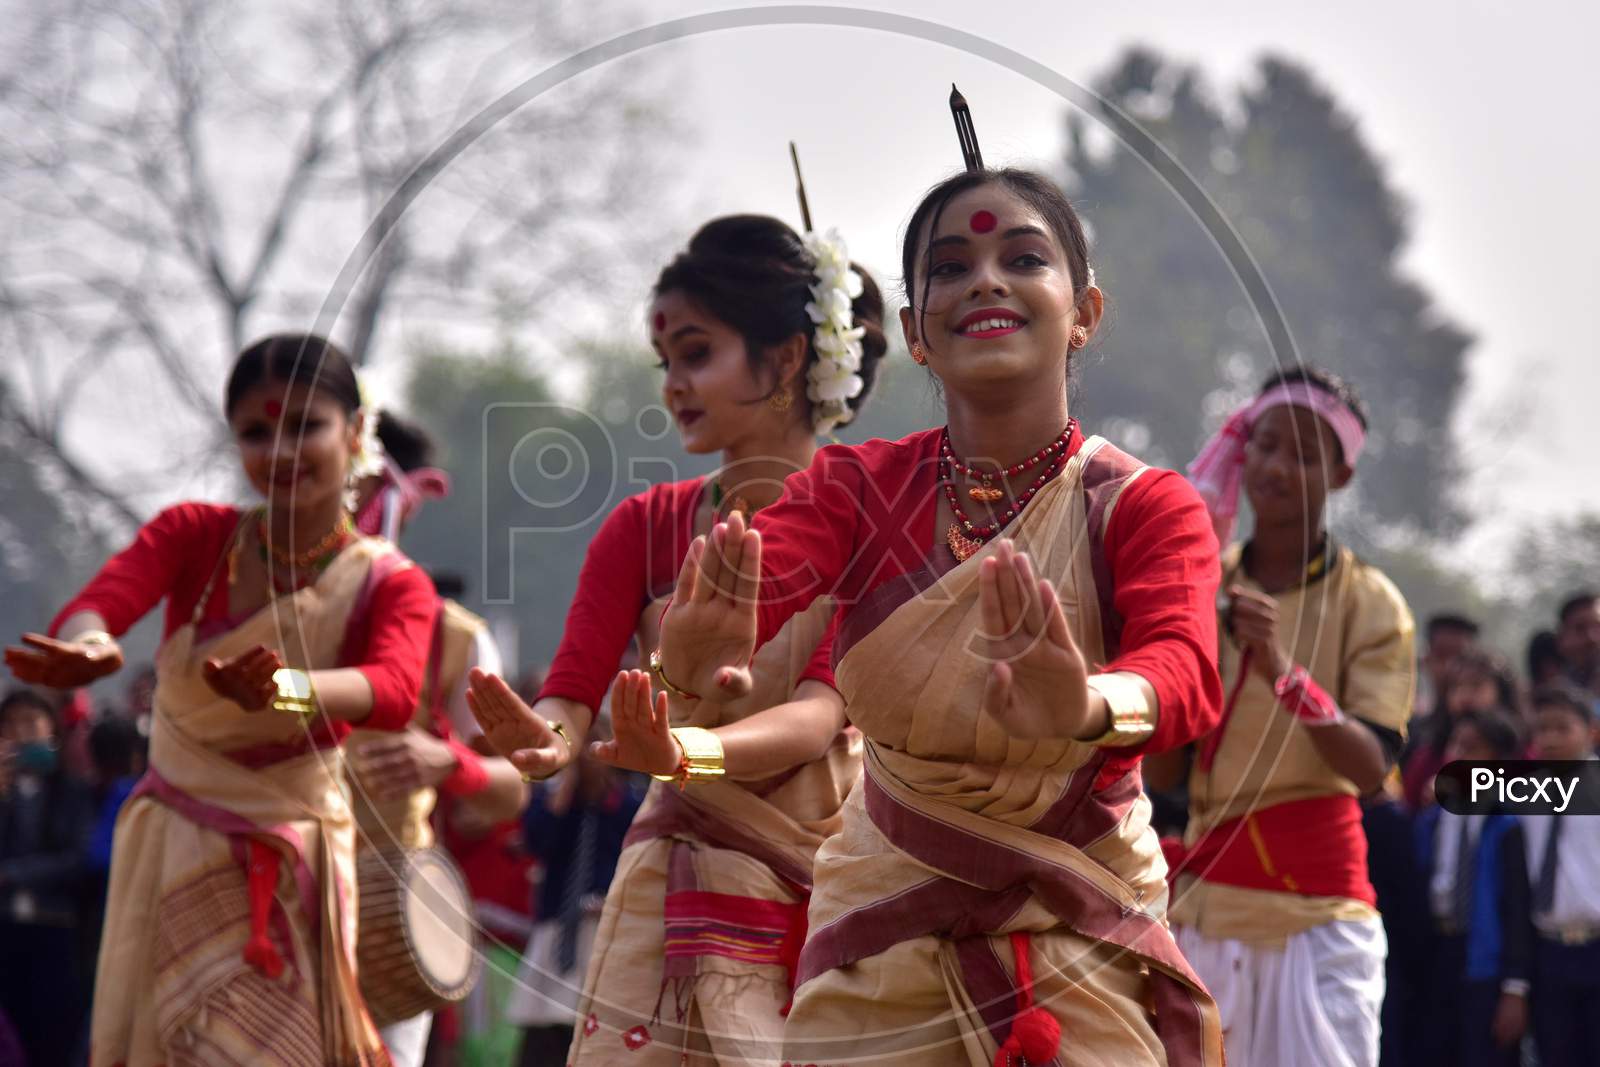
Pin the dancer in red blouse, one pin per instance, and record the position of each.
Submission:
(766, 339)
(229, 930)
(1025, 610)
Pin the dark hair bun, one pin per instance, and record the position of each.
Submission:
(753, 273)
(409, 445)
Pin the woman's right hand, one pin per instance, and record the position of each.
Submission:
(643, 740)
(516, 731)
(42, 660)
(709, 631)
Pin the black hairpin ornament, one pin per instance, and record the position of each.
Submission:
(964, 131)
(800, 189)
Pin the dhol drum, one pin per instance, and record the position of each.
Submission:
(415, 950)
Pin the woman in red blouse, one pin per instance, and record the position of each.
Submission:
(706, 911)
(1024, 611)
(229, 932)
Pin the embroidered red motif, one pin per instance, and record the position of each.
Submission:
(590, 1025)
(636, 1038)
(982, 221)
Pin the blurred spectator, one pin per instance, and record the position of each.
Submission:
(1448, 636)
(1544, 659)
(1403, 906)
(1564, 871)
(1478, 681)
(575, 825)
(1475, 998)
(140, 699)
(1578, 639)
(45, 820)
(118, 753)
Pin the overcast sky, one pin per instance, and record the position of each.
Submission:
(1484, 114)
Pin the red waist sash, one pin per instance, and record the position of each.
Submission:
(1313, 847)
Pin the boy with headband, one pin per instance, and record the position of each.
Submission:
(1272, 904)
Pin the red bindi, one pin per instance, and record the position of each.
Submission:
(274, 408)
(660, 321)
(982, 221)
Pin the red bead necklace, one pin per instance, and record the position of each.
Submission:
(966, 537)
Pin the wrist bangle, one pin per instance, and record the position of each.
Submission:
(666, 683)
(94, 637)
(296, 694)
(560, 730)
(700, 759)
(1132, 719)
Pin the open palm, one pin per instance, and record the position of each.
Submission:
(643, 740)
(709, 630)
(1038, 682)
(516, 731)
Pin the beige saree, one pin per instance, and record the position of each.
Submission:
(703, 923)
(173, 987)
(961, 835)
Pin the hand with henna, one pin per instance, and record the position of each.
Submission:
(245, 679)
(46, 661)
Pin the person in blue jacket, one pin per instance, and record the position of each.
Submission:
(1475, 996)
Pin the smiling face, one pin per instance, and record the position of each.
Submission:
(993, 293)
(305, 464)
(1291, 462)
(715, 398)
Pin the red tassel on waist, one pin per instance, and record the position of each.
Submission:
(261, 881)
(1035, 1033)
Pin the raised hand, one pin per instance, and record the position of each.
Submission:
(516, 731)
(643, 740)
(709, 631)
(42, 660)
(245, 679)
(1253, 622)
(1038, 682)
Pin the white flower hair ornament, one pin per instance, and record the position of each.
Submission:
(833, 379)
(368, 459)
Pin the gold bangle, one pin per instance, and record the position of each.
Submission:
(1132, 719)
(666, 683)
(94, 637)
(701, 756)
(560, 730)
(296, 694)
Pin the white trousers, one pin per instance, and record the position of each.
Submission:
(407, 1040)
(1315, 1002)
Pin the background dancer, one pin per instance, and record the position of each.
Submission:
(229, 935)
(705, 915)
(1272, 903)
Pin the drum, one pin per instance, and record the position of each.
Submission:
(415, 949)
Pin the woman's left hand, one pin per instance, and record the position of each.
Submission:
(400, 763)
(643, 740)
(245, 679)
(1038, 681)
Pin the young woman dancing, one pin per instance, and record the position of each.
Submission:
(230, 923)
(1025, 611)
(766, 339)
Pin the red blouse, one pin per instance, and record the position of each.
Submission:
(860, 515)
(634, 558)
(175, 554)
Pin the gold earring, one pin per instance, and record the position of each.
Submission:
(1080, 337)
(782, 400)
(918, 356)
